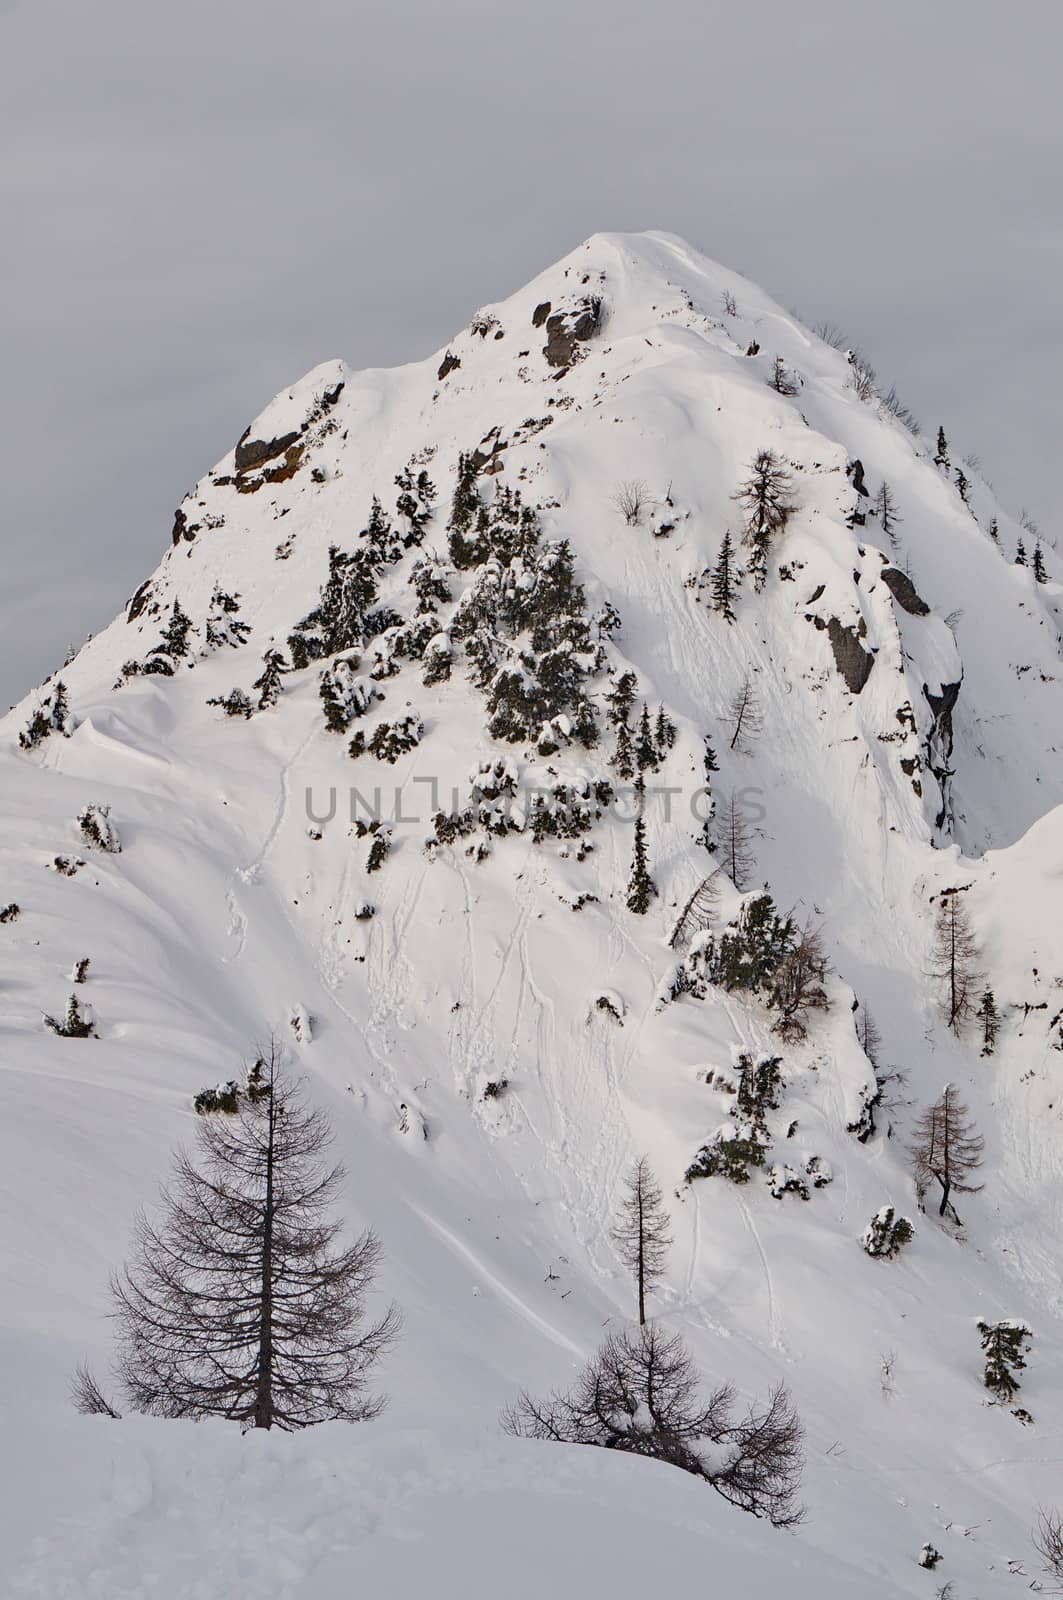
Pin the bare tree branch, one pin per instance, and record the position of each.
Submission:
(946, 1148)
(639, 1394)
(641, 1231)
(631, 499)
(239, 1300)
(88, 1397)
(1048, 1542)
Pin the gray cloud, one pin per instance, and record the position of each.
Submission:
(205, 200)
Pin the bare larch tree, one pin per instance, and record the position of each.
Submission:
(733, 841)
(640, 1394)
(239, 1300)
(631, 499)
(954, 959)
(799, 983)
(868, 1035)
(765, 498)
(946, 1148)
(698, 911)
(641, 1231)
(885, 508)
(745, 715)
(1048, 1542)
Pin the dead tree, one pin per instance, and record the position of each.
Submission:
(641, 1231)
(884, 506)
(640, 1394)
(864, 378)
(765, 497)
(745, 715)
(238, 1300)
(868, 1035)
(954, 959)
(698, 912)
(946, 1148)
(733, 842)
(1048, 1542)
(631, 499)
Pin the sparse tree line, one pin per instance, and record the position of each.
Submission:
(1027, 525)
(241, 1300)
(766, 501)
(641, 1393)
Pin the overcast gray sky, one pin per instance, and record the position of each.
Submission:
(203, 199)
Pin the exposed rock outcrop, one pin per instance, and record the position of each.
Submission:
(852, 660)
(903, 591)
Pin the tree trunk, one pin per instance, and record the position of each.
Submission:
(642, 1262)
(952, 972)
(264, 1395)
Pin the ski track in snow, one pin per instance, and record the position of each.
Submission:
(774, 1332)
(504, 1292)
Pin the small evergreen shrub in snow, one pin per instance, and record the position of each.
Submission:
(379, 851)
(302, 1025)
(269, 685)
(235, 704)
(397, 641)
(66, 866)
(988, 1021)
(154, 666)
(759, 1086)
(81, 970)
(612, 1005)
(761, 953)
(887, 1234)
(76, 1024)
(417, 496)
(339, 621)
(430, 582)
(344, 695)
(438, 658)
(228, 1097)
(929, 1557)
(51, 716)
(97, 830)
(390, 740)
(495, 1088)
(161, 661)
(523, 621)
(224, 1097)
(731, 1154)
(10, 913)
(365, 912)
(1006, 1346)
(641, 888)
(568, 810)
(380, 843)
(784, 1180)
(448, 829)
(743, 1144)
(224, 627)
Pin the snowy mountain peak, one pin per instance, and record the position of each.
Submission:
(573, 746)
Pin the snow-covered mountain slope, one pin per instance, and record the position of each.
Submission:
(909, 695)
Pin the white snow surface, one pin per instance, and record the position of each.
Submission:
(222, 918)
